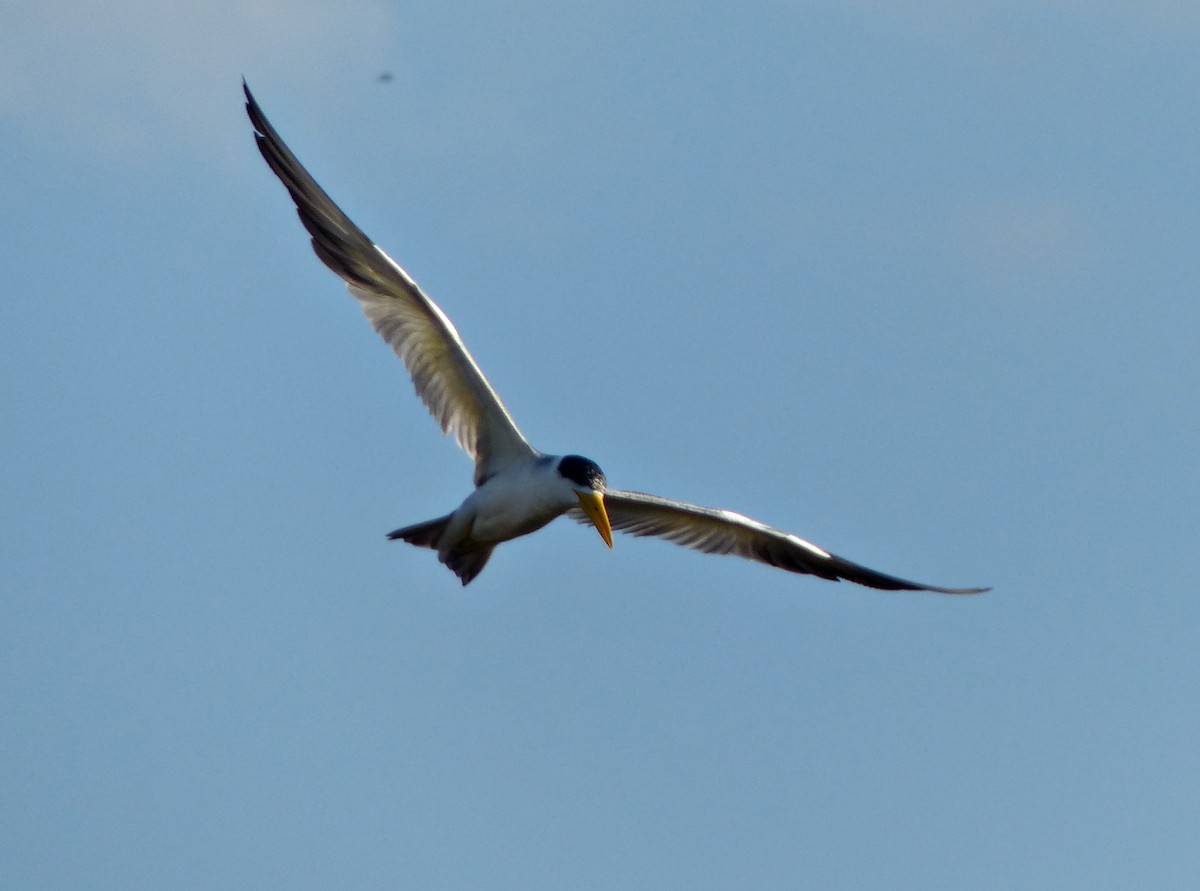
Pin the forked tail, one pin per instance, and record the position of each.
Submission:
(464, 563)
(423, 535)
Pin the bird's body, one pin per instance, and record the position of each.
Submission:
(520, 499)
(518, 489)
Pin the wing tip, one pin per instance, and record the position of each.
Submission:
(957, 591)
(967, 590)
(251, 103)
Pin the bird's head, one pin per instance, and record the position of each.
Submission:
(587, 479)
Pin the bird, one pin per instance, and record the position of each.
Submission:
(518, 489)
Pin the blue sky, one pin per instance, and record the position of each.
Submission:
(917, 281)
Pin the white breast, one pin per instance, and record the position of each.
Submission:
(520, 500)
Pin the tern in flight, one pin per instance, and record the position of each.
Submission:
(518, 489)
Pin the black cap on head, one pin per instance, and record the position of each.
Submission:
(582, 472)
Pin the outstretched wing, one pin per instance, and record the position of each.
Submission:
(444, 373)
(724, 532)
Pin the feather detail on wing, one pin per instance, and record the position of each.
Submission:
(444, 373)
(715, 531)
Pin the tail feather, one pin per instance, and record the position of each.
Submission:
(423, 535)
(466, 563)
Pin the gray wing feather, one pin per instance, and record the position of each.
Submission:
(724, 532)
(444, 373)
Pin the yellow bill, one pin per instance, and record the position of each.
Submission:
(593, 505)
